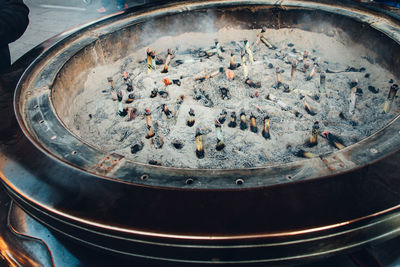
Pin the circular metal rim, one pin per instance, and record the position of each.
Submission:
(354, 156)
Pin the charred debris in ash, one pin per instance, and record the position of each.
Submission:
(285, 95)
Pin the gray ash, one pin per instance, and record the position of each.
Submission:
(290, 124)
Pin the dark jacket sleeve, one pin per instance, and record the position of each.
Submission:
(13, 20)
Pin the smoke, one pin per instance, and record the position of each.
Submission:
(173, 25)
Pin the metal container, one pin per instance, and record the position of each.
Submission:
(276, 214)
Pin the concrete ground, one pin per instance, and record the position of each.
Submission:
(51, 17)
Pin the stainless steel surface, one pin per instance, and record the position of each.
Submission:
(268, 219)
(17, 248)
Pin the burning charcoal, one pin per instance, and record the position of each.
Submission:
(177, 63)
(333, 140)
(154, 93)
(180, 99)
(132, 114)
(373, 90)
(218, 49)
(296, 113)
(114, 95)
(314, 135)
(151, 64)
(121, 111)
(253, 84)
(305, 55)
(304, 154)
(287, 60)
(311, 74)
(158, 142)
(390, 98)
(224, 93)
(160, 61)
(220, 139)
(253, 123)
(230, 74)
(190, 121)
(208, 76)
(296, 51)
(352, 69)
(166, 111)
(111, 82)
(307, 106)
(353, 83)
(244, 66)
(167, 61)
(163, 94)
(199, 144)
(243, 120)
(353, 97)
(222, 116)
(232, 122)
(112, 89)
(286, 88)
(322, 81)
(177, 144)
(293, 73)
(265, 132)
(149, 122)
(306, 66)
(154, 162)
(353, 123)
(153, 60)
(255, 95)
(136, 147)
(248, 50)
(278, 77)
(232, 64)
(130, 99)
(177, 82)
(128, 82)
(199, 95)
(265, 41)
(202, 53)
(211, 52)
